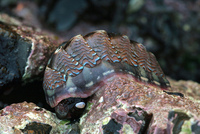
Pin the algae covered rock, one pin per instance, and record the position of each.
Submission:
(123, 106)
(29, 118)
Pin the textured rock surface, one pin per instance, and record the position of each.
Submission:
(28, 118)
(121, 106)
(191, 89)
(126, 106)
(24, 52)
(174, 25)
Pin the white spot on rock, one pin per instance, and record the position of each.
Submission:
(101, 99)
(80, 105)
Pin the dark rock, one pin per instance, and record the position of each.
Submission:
(111, 127)
(177, 119)
(195, 127)
(13, 56)
(24, 53)
(37, 128)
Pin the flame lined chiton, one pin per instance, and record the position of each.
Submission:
(79, 67)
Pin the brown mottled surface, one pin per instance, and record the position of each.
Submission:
(122, 96)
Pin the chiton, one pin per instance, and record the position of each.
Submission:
(80, 66)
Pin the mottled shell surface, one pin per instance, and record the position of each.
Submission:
(80, 66)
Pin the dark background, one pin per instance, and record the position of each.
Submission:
(168, 28)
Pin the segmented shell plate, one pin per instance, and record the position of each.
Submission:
(84, 61)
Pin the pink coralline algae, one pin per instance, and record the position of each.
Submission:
(125, 106)
(29, 118)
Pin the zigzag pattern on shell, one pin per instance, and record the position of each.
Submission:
(84, 61)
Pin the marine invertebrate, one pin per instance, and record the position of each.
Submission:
(79, 67)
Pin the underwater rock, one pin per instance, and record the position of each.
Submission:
(29, 118)
(124, 106)
(189, 88)
(24, 53)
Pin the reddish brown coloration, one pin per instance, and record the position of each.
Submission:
(84, 62)
(101, 43)
(64, 63)
(82, 53)
(57, 76)
(121, 96)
